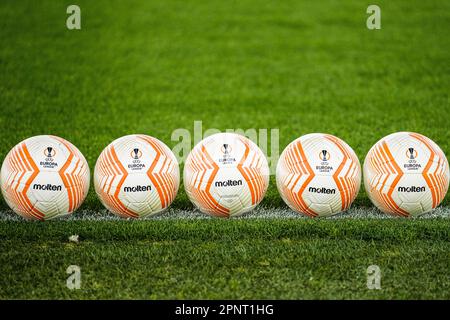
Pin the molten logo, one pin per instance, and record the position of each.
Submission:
(322, 190)
(47, 187)
(137, 189)
(228, 183)
(411, 189)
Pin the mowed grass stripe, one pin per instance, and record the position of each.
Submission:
(265, 259)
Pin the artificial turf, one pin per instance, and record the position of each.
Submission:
(155, 66)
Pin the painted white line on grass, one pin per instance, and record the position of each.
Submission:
(259, 213)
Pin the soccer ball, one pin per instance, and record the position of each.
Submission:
(406, 174)
(44, 177)
(318, 175)
(136, 176)
(226, 175)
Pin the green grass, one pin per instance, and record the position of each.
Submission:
(266, 258)
(154, 66)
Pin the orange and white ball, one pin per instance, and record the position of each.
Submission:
(44, 177)
(225, 175)
(406, 174)
(136, 176)
(318, 175)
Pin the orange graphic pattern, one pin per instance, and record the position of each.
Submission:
(436, 180)
(384, 165)
(201, 164)
(23, 171)
(110, 169)
(296, 162)
(346, 181)
(163, 180)
(74, 180)
(252, 174)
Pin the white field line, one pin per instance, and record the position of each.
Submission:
(258, 213)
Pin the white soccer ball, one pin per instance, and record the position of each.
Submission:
(226, 174)
(318, 175)
(406, 174)
(44, 177)
(136, 176)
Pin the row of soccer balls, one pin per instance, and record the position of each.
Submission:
(226, 174)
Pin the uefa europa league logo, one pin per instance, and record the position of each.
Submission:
(411, 153)
(49, 152)
(324, 155)
(226, 149)
(136, 153)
